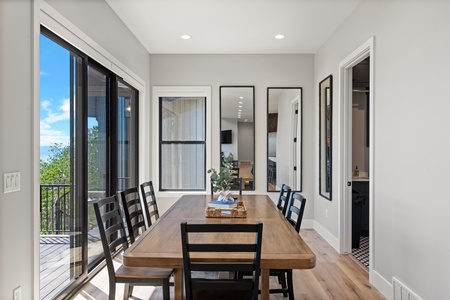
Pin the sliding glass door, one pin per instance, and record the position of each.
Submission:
(97, 160)
(61, 223)
(126, 140)
(89, 130)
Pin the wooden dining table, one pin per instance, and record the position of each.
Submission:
(160, 245)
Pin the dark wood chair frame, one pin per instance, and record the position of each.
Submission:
(285, 275)
(114, 239)
(134, 214)
(221, 285)
(151, 206)
(287, 287)
(283, 198)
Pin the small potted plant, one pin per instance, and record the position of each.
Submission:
(221, 180)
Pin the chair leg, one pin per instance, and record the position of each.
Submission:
(112, 290)
(290, 285)
(127, 291)
(165, 289)
(282, 281)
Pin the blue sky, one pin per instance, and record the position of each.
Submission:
(55, 94)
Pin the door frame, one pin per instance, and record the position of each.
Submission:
(345, 159)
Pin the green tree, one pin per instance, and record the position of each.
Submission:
(56, 170)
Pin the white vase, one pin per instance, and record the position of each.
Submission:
(225, 195)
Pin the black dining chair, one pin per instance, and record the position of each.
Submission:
(236, 185)
(151, 207)
(295, 210)
(114, 240)
(295, 206)
(134, 215)
(232, 288)
(283, 198)
(294, 215)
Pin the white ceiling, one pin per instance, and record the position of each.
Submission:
(232, 26)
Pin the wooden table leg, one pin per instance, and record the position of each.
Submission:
(178, 284)
(265, 284)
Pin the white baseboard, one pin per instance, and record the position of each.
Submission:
(378, 281)
(384, 286)
(307, 224)
(330, 238)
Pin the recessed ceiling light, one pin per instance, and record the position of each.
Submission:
(185, 36)
(280, 36)
(240, 102)
(241, 97)
(240, 106)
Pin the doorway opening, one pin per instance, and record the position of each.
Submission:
(360, 161)
(356, 185)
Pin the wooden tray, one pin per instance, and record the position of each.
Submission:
(238, 212)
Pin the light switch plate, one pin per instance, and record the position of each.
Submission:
(17, 293)
(11, 182)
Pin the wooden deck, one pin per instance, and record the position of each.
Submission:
(55, 263)
(54, 266)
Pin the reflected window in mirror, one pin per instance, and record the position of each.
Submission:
(237, 131)
(284, 138)
(325, 136)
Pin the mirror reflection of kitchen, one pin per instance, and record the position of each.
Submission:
(238, 131)
(284, 138)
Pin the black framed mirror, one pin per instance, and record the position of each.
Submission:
(237, 131)
(284, 138)
(325, 136)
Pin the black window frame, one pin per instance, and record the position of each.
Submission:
(162, 142)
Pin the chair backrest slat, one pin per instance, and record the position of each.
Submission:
(229, 265)
(111, 229)
(283, 198)
(134, 214)
(150, 204)
(297, 206)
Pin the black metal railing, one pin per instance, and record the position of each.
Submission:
(56, 208)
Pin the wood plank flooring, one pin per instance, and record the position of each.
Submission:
(54, 265)
(335, 277)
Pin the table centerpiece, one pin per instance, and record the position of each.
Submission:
(221, 180)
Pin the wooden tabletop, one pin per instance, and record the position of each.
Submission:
(160, 246)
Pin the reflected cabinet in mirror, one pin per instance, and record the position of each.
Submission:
(325, 138)
(237, 129)
(284, 138)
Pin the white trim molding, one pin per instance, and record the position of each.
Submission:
(53, 20)
(328, 236)
(177, 91)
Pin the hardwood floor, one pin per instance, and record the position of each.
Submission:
(335, 277)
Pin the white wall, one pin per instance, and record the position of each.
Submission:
(262, 71)
(16, 209)
(411, 140)
(19, 120)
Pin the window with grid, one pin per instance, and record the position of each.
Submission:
(182, 143)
